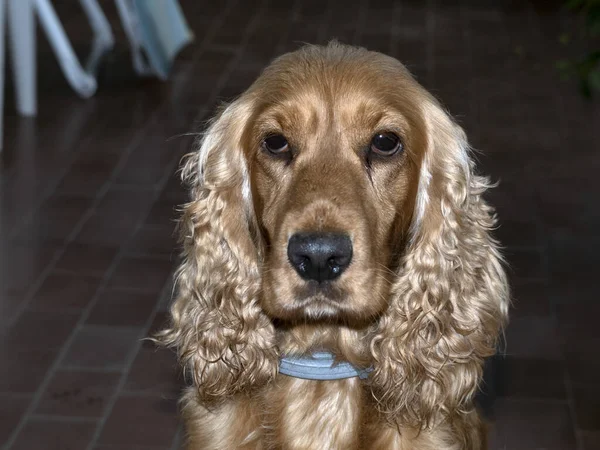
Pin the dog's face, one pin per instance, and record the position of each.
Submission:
(333, 154)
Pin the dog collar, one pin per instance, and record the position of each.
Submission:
(320, 366)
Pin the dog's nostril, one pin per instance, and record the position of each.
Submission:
(320, 256)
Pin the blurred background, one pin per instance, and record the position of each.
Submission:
(88, 190)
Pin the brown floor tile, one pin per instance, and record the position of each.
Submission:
(530, 424)
(155, 372)
(155, 424)
(53, 435)
(78, 393)
(151, 160)
(533, 337)
(100, 230)
(533, 378)
(38, 330)
(86, 259)
(163, 214)
(582, 361)
(122, 308)
(574, 288)
(56, 218)
(578, 320)
(160, 322)
(525, 263)
(154, 241)
(125, 206)
(127, 447)
(63, 291)
(530, 298)
(22, 264)
(145, 274)
(102, 347)
(587, 406)
(590, 440)
(514, 233)
(9, 306)
(174, 192)
(87, 177)
(12, 409)
(23, 370)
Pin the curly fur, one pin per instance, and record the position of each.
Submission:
(450, 300)
(425, 321)
(222, 336)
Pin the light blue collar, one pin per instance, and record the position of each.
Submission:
(319, 366)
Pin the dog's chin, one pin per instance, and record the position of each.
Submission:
(318, 309)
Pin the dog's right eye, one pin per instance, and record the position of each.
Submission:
(276, 144)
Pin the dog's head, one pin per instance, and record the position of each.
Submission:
(337, 190)
(333, 148)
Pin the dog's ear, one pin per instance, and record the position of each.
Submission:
(450, 298)
(222, 336)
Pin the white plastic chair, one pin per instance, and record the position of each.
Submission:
(154, 28)
(21, 16)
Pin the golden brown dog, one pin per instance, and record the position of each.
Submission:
(334, 208)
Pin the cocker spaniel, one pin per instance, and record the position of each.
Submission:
(336, 227)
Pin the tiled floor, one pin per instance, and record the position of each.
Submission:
(88, 191)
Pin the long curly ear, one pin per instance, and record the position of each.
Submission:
(450, 299)
(222, 336)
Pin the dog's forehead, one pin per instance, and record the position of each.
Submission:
(357, 88)
(325, 74)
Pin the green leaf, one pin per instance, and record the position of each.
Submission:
(594, 79)
(564, 38)
(573, 4)
(519, 51)
(593, 20)
(584, 88)
(563, 64)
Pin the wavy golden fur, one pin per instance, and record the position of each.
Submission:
(422, 302)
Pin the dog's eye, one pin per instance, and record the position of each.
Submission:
(276, 144)
(385, 144)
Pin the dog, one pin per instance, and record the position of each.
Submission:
(339, 287)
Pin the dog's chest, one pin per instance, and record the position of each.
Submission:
(315, 414)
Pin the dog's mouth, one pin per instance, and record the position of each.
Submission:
(315, 302)
(325, 292)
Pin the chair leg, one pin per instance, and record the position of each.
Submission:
(127, 12)
(2, 50)
(82, 82)
(21, 21)
(104, 39)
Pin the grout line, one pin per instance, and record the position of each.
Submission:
(145, 394)
(154, 116)
(61, 418)
(87, 369)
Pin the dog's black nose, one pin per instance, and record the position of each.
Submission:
(320, 256)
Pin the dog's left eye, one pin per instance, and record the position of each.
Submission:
(385, 144)
(275, 144)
